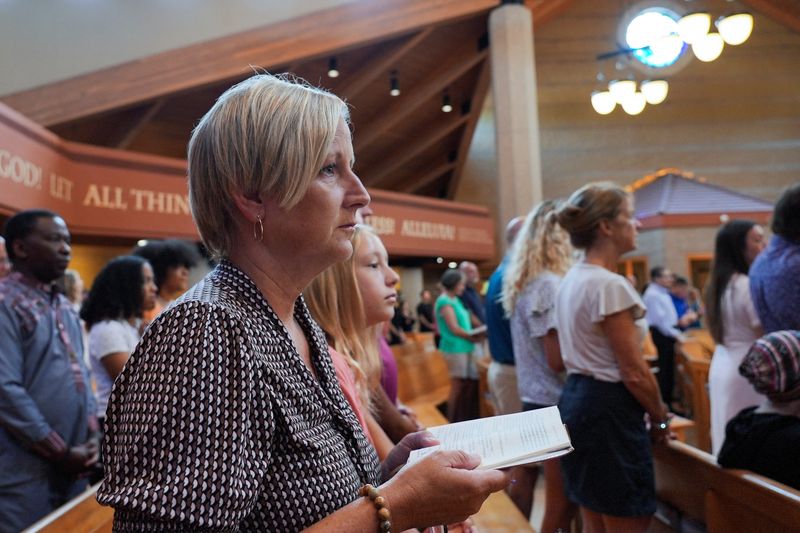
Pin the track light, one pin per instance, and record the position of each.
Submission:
(394, 85)
(446, 105)
(333, 70)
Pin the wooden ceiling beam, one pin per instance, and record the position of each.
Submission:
(432, 175)
(402, 156)
(142, 121)
(546, 10)
(367, 73)
(783, 12)
(346, 26)
(478, 97)
(412, 98)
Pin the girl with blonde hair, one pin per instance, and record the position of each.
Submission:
(540, 257)
(350, 301)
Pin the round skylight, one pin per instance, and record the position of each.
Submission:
(653, 34)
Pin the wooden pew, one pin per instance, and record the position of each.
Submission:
(423, 377)
(689, 481)
(693, 361)
(80, 515)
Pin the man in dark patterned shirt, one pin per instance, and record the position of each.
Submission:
(48, 428)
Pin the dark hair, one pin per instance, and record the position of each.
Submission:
(729, 259)
(585, 208)
(657, 272)
(680, 280)
(786, 217)
(164, 255)
(451, 278)
(116, 292)
(21, 225)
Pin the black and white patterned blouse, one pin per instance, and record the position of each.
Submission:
(216, 424)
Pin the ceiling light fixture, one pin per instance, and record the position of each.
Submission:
(621, 90)
(333, 69)
(654, 91)
(735, 29)
(708, 48)
(694, 26)
(634, 104)
(603, 102)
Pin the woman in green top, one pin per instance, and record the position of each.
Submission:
(456, 343)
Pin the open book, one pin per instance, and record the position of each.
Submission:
(504, 441)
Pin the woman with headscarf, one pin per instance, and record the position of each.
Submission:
(765, 438)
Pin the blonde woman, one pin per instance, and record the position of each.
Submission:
(228, 415)
(540, 257)
(350, 301)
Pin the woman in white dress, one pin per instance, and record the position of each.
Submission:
(733, 323)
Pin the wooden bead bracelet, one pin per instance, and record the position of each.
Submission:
(368, 491)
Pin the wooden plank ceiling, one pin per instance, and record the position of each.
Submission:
(403, 143)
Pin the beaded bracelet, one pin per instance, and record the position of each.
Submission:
(379, 501)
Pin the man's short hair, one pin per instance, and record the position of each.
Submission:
(786, 217)
(21, 225)
(657, 272)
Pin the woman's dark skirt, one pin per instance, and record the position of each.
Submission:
(611, 470)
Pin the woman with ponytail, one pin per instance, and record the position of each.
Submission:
(609, 388)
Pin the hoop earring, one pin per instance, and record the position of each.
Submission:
(258, 230)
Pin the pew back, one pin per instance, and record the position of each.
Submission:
(726, 500)
(83, 514)
(693, 363)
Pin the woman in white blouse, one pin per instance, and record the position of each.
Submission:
(610, 392)
(122, 291)
(733, 323)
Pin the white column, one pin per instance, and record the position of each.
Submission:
(516, 113)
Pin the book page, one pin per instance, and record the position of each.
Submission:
(501, 441)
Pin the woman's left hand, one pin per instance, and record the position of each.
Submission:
(399, 454)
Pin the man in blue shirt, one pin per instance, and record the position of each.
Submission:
(470, 298)
(502, 375)
(48, 427)
(775, 274)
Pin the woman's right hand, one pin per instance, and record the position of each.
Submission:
(442, 488)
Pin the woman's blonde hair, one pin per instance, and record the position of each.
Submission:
(582, 213)
(267, 134)
(334, 300)
(541, 244)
